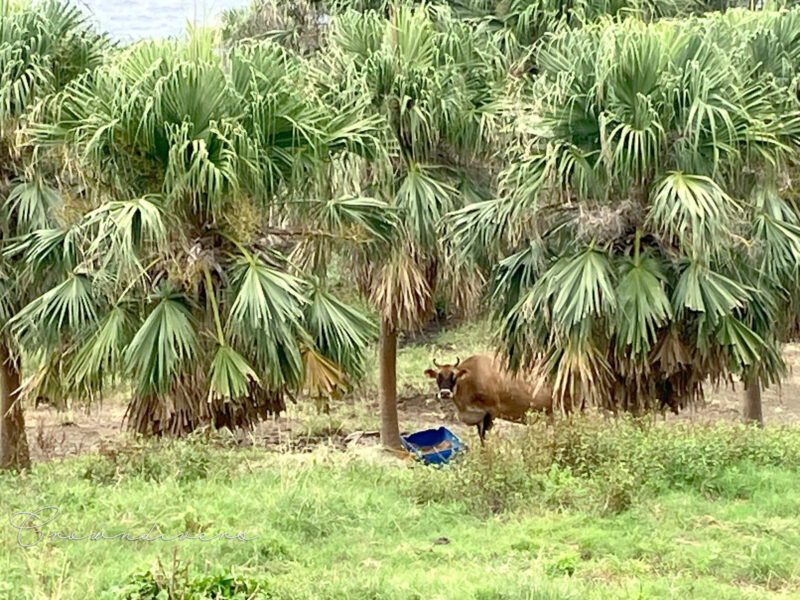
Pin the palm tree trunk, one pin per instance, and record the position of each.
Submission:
(13, 441)
(752, 404)
(390, 429)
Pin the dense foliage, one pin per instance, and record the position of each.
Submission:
(194, 176)
(622, 171)
(42, 49)
(645, 232)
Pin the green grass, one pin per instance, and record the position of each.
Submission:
(580, 510)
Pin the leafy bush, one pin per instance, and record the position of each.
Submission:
(178, 581)
(185, 460)
(605, 466)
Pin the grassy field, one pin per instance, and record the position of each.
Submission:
(572, 511)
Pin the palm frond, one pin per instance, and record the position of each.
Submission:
(100, 359)
(266, 320)
(644, 306)
(230, 376)
(70, 305)
(31, 204)
(693, 208)
(339, 331)
(165, 343)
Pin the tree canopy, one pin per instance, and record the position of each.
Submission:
(194, 174)
(620, 172)
(645, 232)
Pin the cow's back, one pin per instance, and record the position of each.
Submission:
(488, 388)
(520, 395)
(476, 391)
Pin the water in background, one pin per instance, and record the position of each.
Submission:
(129, 20)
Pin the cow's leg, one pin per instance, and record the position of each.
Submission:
(487, 422)
(483, 426)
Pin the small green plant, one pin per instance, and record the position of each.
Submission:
(178, 581)
(563, 564)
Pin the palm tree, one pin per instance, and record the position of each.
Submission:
(296, 24)
(522, 23)
(196, 173)
(432, 81)
(643, 238)
(42, 48)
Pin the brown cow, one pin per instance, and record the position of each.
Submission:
(483, 390)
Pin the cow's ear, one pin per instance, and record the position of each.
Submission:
(460, 372)
(431, 373)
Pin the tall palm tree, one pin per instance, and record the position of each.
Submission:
(42, 48)
(432, 81)
(196, 172)
(644, 237)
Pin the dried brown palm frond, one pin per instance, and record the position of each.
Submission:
(633, 384)
(182, 409)
(323, 377)
(582, 374)
(179, 411)
(259, 405)
(670, 354)
(463, 286)
(401, 289)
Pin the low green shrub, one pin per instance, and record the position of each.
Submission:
(604, 466)
(179, 581)
(154, 460)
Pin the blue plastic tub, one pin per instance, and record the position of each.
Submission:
(421, 444)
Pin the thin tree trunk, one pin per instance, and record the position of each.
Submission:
(752, 404)
(390, 429)
(13, 441)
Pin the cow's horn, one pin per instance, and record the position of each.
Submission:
(437, 364)
(458, 360)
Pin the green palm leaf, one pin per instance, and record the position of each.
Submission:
(579, 286)
(266, 320)
(702, 290)
(374, 218)
(32, 203)
(339, 331)
(423, 199)
(165, 343)
(693, 208)
(643, 304)
(230, 375)
(68, 305)
(101, 356)
(744, 344)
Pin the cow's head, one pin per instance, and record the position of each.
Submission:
(446, 377)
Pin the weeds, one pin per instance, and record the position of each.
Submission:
(153, 461)
(578, 509)
(176, 582)
(605, 466)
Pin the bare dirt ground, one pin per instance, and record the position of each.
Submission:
(54, 434)
(79, 430)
